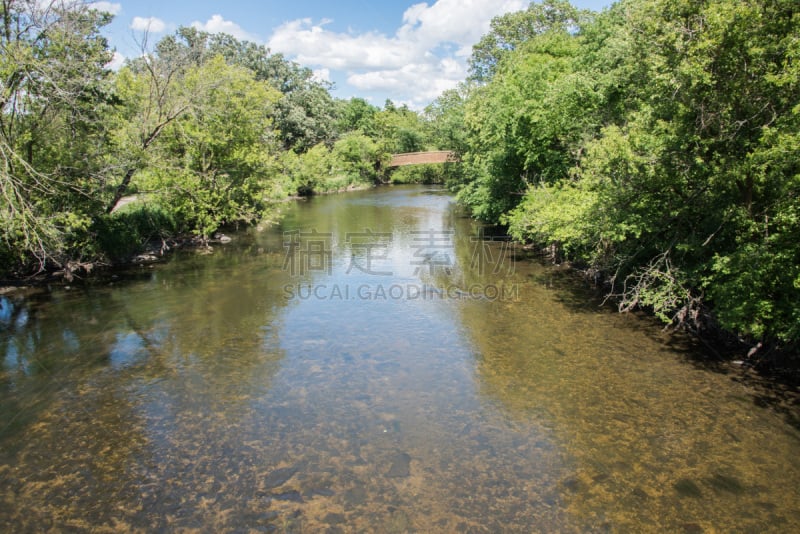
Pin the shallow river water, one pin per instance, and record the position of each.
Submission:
(376, 362)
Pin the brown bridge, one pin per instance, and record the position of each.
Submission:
(420, 158)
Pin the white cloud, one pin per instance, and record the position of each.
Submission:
(462, 22)
(416, 84)
(116, 61)
(148, 24)
(107, 7)
(217, 24)
(312, 44)
(322, 75)
(426, 55)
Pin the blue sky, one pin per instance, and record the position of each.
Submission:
(403, 50)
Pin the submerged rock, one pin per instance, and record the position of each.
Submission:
(400, 467)
(333, 519)
(687, 488)
(145, 258)
(292, 496)
(723, 482)
(279, 477)
(355, 496)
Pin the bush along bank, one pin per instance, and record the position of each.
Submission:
(656, 143)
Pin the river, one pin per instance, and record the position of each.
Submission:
(377, 362)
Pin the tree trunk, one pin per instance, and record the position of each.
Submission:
(121, 189)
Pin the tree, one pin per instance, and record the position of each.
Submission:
(400, 130)
(359, 157)
(150, 89)
(508, 32)
(53, 92)
(526, 125)
(687, 193)
(357, 114)
(222, 150)
(445, 118)
(306, 116)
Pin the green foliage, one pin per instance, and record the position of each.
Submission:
(198, 126)
(422, 174)
(53, 92)
(512, 30)
(311, 170)
(124, 233)
(562, 214)
(358, 157)
(755, 284)
(223, 155)
(208, 130)
(445, 118)
(354, 160)
(306, 117)
(656, 142)
(526, 124)
(400, 130)
(357, 114)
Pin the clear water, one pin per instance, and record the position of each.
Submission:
(419, 378)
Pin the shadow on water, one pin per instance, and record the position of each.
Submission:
(767, 389)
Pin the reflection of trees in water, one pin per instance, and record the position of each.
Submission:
(119, 402)
(68, 432)
(45, 351)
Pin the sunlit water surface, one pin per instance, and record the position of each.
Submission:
(373, 363)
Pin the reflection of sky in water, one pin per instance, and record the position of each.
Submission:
(127, 350)
(201, 394)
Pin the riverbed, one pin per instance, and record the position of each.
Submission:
(377, 362)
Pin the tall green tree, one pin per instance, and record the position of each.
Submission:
(152, 96)
(526, 125)
(356, 114)
(219, 162)
(510, 31)
(446, 116)
(400, 130)
(53, 92)
(687, 195)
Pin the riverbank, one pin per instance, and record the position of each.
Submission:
(717, 344)
(152, 251)
(767, 358)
